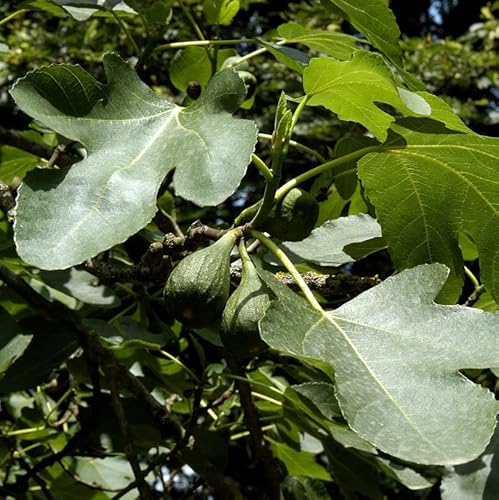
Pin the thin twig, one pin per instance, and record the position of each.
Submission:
(192, 422)
(252, 420)
(475, 295)
(332, 287)
(167, 223)
(16, 13)
(130, 450)
(191, 20)
(290, 267)
(58, 151)
(37, 479)
(297, 145)
(127, 32)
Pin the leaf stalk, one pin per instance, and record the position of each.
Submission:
(127, 32)
(11, 16)
(286, 262)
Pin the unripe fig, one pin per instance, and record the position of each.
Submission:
(244, 309)
(198, 288)
(294, 217)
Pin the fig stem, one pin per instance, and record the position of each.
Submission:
(471, 277)
(284, 259)
(252, 419)
(243, 252)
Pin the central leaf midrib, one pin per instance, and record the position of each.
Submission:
(95, 206)
(406, 417)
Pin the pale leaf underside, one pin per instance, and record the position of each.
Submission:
(397, 357)
(133, 139)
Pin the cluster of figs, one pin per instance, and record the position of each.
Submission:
(197, 291)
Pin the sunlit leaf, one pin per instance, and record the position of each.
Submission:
(429, 185)
(333, 44)
(220, 11)
(397, 357)
(376, 21)
(352, 89)
(299, 463)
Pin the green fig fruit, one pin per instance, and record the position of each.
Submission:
(244, 309)
(198, 288)
(294, 217)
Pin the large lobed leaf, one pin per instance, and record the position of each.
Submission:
(428, 184)
(133, 139)
(352, 89)
(397, 356)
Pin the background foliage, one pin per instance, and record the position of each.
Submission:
(369, 389)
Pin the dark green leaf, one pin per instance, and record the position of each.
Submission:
(51, 345)
(107, 473)
(12, 342)
(322, 396)
(352, 472)
(209, 451)
(82, 286)
(304, 488)
(404, 475)
(292, 58)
